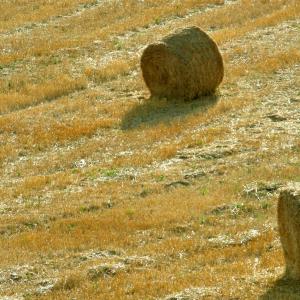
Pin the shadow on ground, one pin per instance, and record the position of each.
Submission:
(283, 289)
(153, 111)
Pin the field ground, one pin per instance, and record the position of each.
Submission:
(107, 194)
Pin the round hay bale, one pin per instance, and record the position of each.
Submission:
(288, 213)
(185, 65)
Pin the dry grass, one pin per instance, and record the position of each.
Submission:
(110, 71)
(161, 194)
(22, 13)
(33, 94)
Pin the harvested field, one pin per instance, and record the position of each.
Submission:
(105, 194)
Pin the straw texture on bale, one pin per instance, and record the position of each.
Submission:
(289, 228)
(183, 65)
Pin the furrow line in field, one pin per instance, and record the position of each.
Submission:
(53, 20)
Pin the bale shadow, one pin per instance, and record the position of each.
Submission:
(283, 288)
(153, 111)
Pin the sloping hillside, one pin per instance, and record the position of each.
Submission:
(107, 194)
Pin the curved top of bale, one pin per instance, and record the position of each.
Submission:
(185, 64)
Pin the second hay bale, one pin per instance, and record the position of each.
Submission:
(186, 65)
(289, 228)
